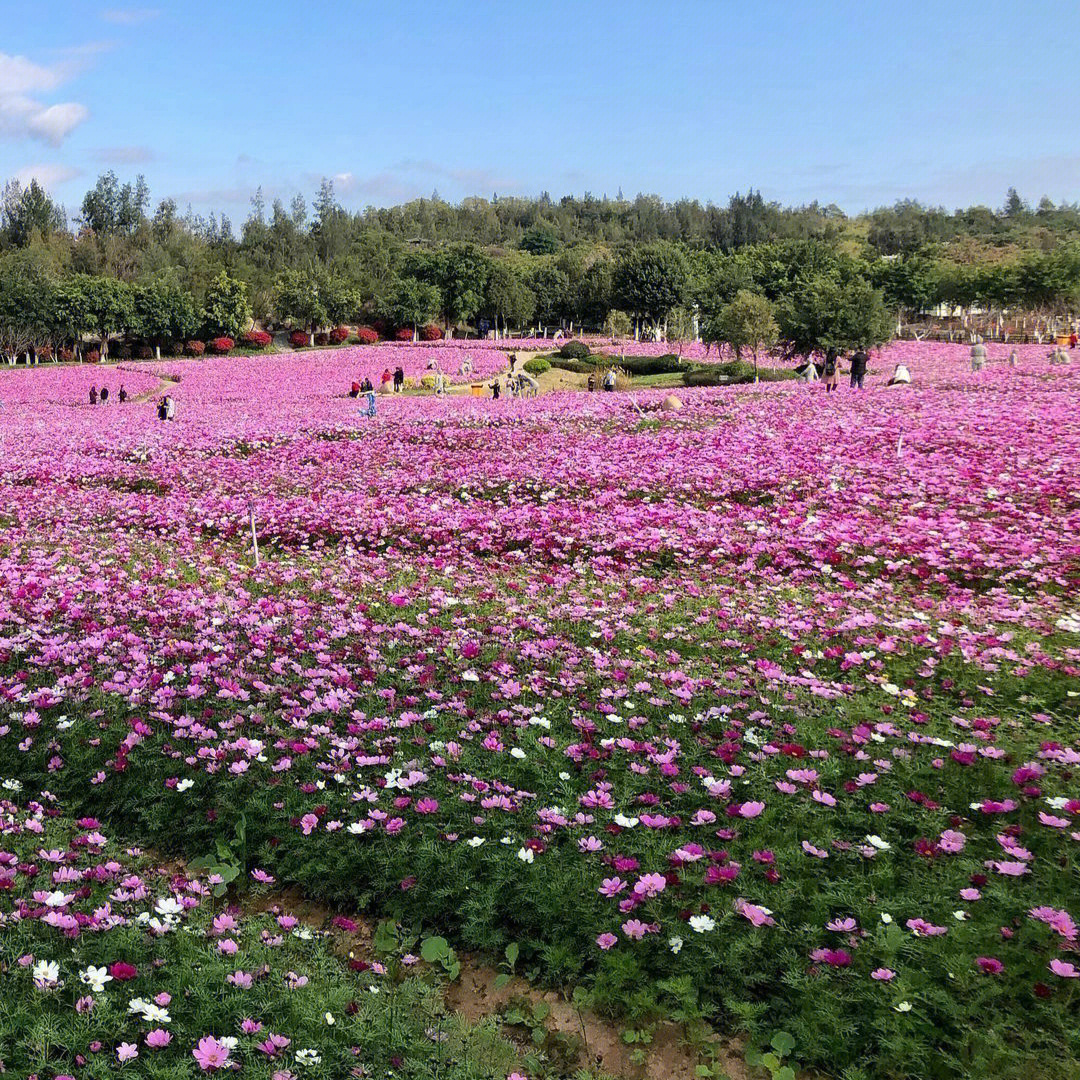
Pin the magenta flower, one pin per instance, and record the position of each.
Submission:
(606, 941)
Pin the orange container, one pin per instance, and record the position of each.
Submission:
(476, 389)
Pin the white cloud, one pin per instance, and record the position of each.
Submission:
(47, 175)
(130, 16)
(23, 115)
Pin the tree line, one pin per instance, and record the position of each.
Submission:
(640, 266)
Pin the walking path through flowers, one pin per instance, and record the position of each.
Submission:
(761, 716)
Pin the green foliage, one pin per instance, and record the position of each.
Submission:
(226, 310)
(540, 239)
(537, 365)
(163, 311)
(746, 324)
(574, 350)
(822, 315)
(650, 281)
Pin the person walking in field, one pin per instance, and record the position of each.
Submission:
(859, 361)
(122, 394)
(495, 390)
(399, 379)
(1073, 340)
(104, 394)
(93, 395)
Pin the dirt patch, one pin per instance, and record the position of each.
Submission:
(669, 1056)
(596, 1043)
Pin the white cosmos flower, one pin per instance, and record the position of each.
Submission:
(701, 924)
(676, 944)
(46, 974)
(475, 841)
(95, 978)
(526, 855)
(518, 753)
(875, 841)
(185, 784)
(168, 905)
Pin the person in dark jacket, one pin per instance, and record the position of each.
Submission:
(399, 380)
(104, 394)
(122, 394)
(859, 361)
(93, 395)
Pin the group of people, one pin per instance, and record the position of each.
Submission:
(102, 395)
(166, 408)
(828, 371)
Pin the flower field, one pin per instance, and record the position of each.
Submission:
(763, 714)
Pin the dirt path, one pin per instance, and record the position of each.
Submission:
(586, 1039)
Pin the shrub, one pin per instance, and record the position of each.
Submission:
(367, 335)
(322, 338)
(44, 352)
(339, 335)
(257, 339)
(91, 356)
(298, 339)
(404, 334)
(123, 351)
(194, 348)
(144, 352)
(431, 332)
(574, 350)
(222, 345)
(65, 354)
(537, 365)
(582, 367)
(650, 365)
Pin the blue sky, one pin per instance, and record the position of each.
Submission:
(853, 103)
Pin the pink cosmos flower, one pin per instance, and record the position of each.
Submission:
(611, 886)
(952, 841)
(751, 809)
(606, 941)
(127, 1052)
(158, 1038)
(211, 1054)
(883, 974)
(1064, 970)
(989, 965)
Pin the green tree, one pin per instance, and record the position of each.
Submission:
(109, 307)
(649, 281)
(26, 213)
(508, 298)
(540, 239)
(746, 324)
(164, 311)
(412, 303)
(226, 311)
(823, 316)
(300, 299)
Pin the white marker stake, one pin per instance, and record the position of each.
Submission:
(254, 538)
(900, 444)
